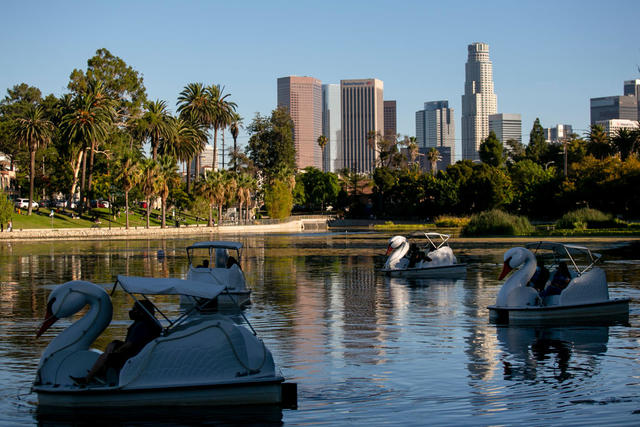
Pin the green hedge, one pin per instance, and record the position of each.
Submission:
(497, 223)
(451, 221)
(587, 218)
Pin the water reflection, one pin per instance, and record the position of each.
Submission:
(540, 354)
(163, 416)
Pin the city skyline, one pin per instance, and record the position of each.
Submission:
(546, 65)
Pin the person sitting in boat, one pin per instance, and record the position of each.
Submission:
(231, 261)
(205, 264)
(560, 280)
(416, 255)
(540, 277)
(143, 330)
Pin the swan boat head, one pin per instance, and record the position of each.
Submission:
(396, 250)
(515, 291)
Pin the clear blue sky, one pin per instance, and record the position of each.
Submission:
(549, 57)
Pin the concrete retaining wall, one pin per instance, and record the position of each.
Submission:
(157, 232)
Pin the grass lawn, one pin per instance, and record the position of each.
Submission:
(63, 219)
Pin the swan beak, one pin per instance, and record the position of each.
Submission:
(389, 250)
(506, 268)
(49, 319)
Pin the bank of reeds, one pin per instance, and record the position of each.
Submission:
(497, 223)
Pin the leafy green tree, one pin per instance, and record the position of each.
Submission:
(271, 146)
(6, 208)
(491, 151)
(531, 188)
(487, 188)
(33, 130)
(278, 199)
(122, 83)
(514, 150)
(538, 146)
(319, 188)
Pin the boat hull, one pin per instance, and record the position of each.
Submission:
(267, 392)
(616, 310)
(453, 270)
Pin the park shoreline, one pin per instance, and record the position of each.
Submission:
(118, 233)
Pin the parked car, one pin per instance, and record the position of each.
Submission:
(143, 205)
(24, 204)
(103, 204)
(61, 204)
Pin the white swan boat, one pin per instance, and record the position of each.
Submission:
(213, 269)
(584, 300)
(197, 360)
(422, 255)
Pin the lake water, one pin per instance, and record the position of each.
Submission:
(363, 349)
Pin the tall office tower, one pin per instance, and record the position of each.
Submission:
(362, 113)
(632, 87)
(506, 126)
(479, 101)
(302, 96)
(614, 107)
(331, 128)
(390, 128)
(557, 133)
(435, 128)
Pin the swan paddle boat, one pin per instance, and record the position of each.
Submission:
(219, 265)
(585, 299)
(196, 361)
(422, 255)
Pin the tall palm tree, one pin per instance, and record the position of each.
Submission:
(322, 142)
(433, 155)
(222, 115)
(195, 105)
(128, 177)
(246, 184)
(100, 100)
(188, 140)
(158, 124)
(208, 188)
(149, 173)
(34, 130)
(87, 122)
(234, 128)
(166, 178)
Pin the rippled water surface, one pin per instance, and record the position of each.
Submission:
(363, 348)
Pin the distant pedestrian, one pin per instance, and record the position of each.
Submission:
(10, 226)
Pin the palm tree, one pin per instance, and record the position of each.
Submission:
(234, 128)
(625, 142)
(149, 173)
(209, 188)
(188, 140)
(412, 149)
(322, 142)
(166, 178)
(158, 124)
(34, 130)
(128, 177)
(194, 105)
(246, 184)
(222, 115)
(433, 155)
(599, 142)
(107, 105)
(87, 122)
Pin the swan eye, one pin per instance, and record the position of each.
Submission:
(508, 261)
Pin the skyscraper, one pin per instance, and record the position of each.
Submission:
(435, 128)
(632, 87)
(558, 133)
(302, 96)
(479, 101)
(614, 107)
(506, 126)
(390, 128)
(331, 128)
(362, 114)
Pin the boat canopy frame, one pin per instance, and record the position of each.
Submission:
(145, 286)
(564, 251)
(436, 240)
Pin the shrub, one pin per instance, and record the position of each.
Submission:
(496, 222)
(278, 200)
(451, 221)
(587, 218)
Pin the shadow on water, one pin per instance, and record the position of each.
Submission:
(256, 415)
(532, 352)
